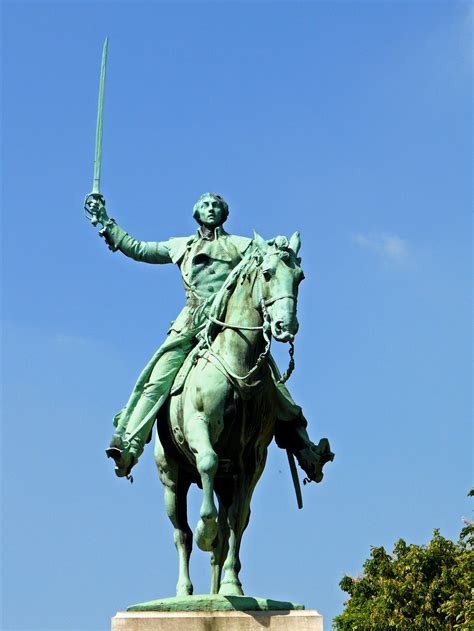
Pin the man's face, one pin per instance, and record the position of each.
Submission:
(211, 212)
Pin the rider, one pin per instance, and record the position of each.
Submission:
(205, 260)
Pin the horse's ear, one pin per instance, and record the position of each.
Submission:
(295, 242)
(260, 242)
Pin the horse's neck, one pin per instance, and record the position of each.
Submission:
(241, 347)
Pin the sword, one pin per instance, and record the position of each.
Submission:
(294, 475)
(96, 195)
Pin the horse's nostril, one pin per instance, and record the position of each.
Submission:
(279, 326)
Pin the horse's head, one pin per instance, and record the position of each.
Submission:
(280, 275)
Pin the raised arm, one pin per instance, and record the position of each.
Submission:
(117, 239)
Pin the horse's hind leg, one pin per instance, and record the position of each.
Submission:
(176, 483)
(238, 516)
(221, 548)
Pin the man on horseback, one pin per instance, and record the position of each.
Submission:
(205, 260)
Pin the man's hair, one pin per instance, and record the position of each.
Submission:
(220, 199)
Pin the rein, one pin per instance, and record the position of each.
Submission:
(267, 335)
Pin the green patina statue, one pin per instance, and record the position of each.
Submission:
(213, 386)
(212, 390)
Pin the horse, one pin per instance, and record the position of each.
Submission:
(216, 430)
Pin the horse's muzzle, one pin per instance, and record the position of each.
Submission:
(284, 333)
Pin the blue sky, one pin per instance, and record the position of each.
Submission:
(349, 121)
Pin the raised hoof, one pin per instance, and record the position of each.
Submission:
(205, 535)
(231, 589)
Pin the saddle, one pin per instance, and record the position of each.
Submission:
(245, 390)
(183, 372)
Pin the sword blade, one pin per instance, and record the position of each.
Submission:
(296, 481)
(100, 120)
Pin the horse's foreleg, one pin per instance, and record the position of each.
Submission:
(176, 485)
(203, 422)
(206, 463)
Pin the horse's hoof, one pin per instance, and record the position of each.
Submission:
(186, 589)
(231, 589)
(205, 535)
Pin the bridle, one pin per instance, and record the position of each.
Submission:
(267, 336)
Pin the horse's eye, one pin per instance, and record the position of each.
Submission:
(266, 274)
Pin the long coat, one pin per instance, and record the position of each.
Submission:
(204, 265)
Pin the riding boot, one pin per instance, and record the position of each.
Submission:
(124, 459)
(292, 435)
(126, 447)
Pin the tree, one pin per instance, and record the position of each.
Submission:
(416, 588)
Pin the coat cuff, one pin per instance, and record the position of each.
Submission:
(112, 234)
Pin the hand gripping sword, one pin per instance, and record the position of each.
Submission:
(96, 195)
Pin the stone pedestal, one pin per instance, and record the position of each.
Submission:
(302, 620)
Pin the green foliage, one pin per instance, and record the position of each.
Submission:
(416, 588)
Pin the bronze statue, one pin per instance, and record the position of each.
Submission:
(212, 389)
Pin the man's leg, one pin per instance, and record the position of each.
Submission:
(127, 446)
(291, 434)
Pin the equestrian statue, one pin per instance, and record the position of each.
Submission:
(212, 391)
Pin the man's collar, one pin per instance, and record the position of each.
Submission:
(218, 232)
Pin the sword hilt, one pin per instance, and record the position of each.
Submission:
(90, 214)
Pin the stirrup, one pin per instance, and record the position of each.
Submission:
(114, 452)
(117, 455)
